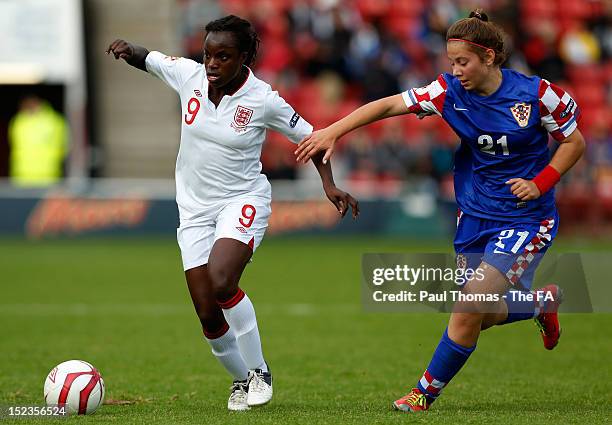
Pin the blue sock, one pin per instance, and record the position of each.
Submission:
(448, 358)
(523, 308)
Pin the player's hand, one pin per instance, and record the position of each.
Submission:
(525, 190)
(320, 140)
(342, 201)
(121, 49)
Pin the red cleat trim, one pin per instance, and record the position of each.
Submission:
(548, 320)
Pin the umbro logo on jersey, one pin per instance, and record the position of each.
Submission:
(521, 112)
(241, 229)
(198, 93)
(459, 109)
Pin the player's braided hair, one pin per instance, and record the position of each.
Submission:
(248, 41)
(478, 29)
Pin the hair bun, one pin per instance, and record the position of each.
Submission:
(479, 14)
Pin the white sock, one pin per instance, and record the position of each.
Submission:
(226, 351)
(240, 315)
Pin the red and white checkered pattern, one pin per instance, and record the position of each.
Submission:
(539, 301)
(558, 111)
(533, 247)
(430, 384)
(428, 100)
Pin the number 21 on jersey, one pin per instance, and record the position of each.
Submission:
(486, 144)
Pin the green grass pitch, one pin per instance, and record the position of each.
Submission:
(122, 305)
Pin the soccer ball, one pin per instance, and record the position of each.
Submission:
(75, 384)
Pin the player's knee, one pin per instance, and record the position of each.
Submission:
(224, 284)
(472, 307)
(468, 321)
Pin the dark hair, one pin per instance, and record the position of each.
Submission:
(248, 41)
(479, 30)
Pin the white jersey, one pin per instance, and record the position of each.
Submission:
(219, 155)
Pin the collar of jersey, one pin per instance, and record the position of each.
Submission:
(244, 85)
(495, 93)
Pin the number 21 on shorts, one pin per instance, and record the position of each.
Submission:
(500, 246)
(248, 215)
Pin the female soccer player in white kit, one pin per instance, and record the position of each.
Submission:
(223, 199)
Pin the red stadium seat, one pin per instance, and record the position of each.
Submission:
(577, 9)
(413, 8)
(372, 8)
(404, 26)
(607, 70)
(589, 94)
(592, 73)
(591, 115)
(545, 8)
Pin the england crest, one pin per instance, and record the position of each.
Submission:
(242, 117)
(521, 112)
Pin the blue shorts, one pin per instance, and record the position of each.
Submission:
(513, 248)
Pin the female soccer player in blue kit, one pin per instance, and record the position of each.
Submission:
(504, 181)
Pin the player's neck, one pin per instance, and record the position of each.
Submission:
(490, 84)
(232, 87)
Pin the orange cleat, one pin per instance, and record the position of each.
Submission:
(415, 401)
(548, 319)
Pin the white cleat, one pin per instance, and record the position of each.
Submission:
(238, 397)
(260, 388)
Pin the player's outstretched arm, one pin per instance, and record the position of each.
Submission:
(325, 139)
(132, 54)
(568, 153)
(341, 200)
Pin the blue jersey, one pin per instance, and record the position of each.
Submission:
(503, 136)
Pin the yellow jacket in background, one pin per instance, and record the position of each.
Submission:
(38, 142)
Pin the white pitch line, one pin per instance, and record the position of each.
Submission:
(81, 309)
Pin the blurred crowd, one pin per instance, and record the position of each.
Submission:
(326, 57)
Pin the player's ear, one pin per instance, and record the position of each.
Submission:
(243, 58)
(489, 57)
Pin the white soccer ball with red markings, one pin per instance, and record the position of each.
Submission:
(75, 384)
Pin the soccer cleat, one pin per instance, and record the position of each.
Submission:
(548, 319)
(260, 387)
(238, 397)
(415, 401)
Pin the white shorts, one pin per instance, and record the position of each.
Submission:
(244, 219)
